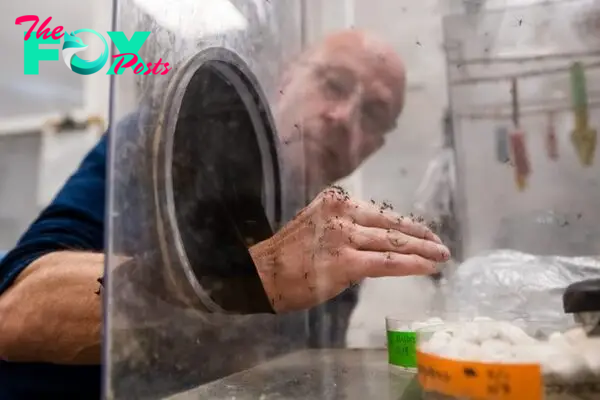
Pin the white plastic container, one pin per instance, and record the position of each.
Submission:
(498, 359)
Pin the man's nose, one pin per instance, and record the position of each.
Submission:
(342, 113)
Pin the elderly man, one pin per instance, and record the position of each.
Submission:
(345, 95)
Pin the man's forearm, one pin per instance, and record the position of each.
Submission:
(52, 312)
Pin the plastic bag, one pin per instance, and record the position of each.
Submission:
(435, 198)
(435, 192)
(504, 284)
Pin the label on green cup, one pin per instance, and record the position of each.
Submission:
(402, 349)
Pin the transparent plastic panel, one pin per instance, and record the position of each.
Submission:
(236, 262)
(213, 154)
(197, 175)
(513, 79)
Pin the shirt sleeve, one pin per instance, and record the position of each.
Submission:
(73, 221)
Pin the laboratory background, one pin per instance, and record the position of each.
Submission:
(495, 144)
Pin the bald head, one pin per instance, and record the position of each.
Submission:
(344, 94)
(368, 53)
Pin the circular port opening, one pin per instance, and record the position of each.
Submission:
(218, 180)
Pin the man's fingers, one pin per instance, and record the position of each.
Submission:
(373, 264)
(382, 240)
(368, 215)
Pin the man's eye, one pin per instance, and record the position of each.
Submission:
(374, 113)
(335, 87)
(375, 116)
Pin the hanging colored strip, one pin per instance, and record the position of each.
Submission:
(514, 91)
(583, 136)
(518, 146)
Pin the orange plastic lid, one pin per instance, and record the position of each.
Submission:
(479, 381)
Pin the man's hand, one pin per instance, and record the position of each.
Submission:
(336, 242)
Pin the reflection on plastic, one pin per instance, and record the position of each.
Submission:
(472, 380)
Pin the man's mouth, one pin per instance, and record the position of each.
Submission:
(330, 160)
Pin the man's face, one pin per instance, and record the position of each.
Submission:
(337, 106)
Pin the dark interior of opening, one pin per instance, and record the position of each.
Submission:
(217, 174)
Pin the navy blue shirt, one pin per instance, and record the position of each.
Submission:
(73, 221)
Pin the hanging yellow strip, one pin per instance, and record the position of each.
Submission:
(521, 181)
(583, 136)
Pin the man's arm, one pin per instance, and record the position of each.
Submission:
(51, 313)
(49, 309)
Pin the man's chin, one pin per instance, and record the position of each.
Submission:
(322, 178)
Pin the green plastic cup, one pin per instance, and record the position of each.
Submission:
(401, 344)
